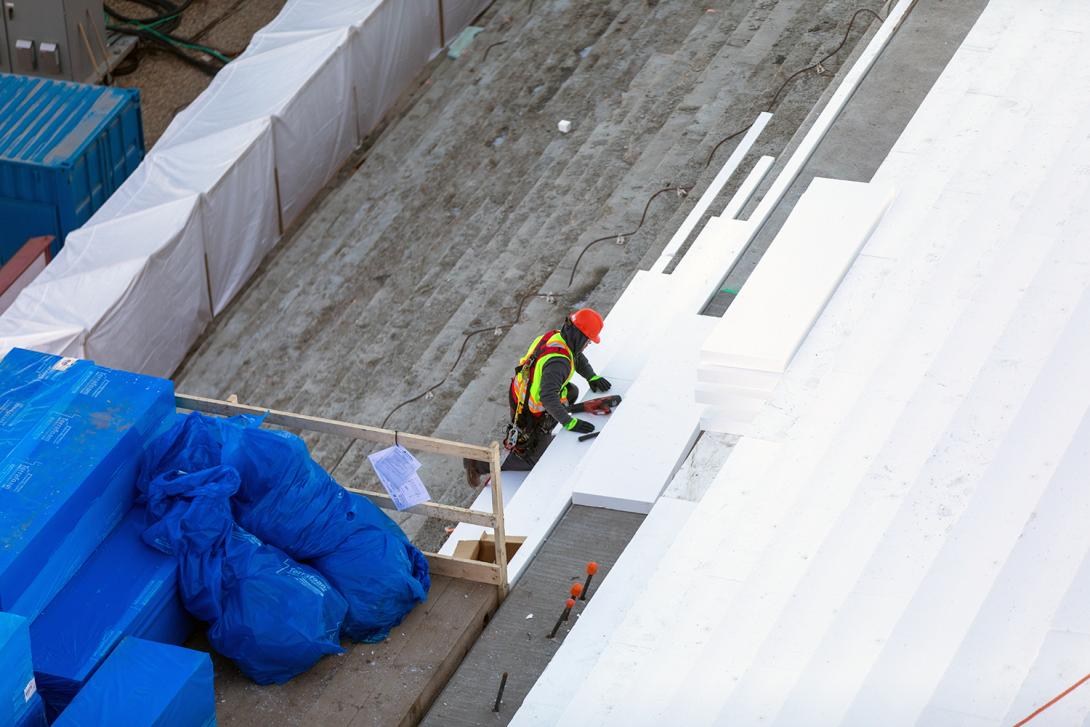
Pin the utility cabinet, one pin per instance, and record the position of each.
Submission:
(62, 39)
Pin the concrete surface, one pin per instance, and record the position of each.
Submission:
(167, 84)
(515, 643)
(472, 199)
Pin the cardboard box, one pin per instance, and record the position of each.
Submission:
(484, 549)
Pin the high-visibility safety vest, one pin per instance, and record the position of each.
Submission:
(545, 347)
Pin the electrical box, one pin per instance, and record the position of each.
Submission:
(62, 39)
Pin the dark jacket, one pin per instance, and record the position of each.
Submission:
(555, 371)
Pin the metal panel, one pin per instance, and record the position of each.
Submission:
(75, 28)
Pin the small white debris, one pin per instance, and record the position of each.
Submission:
(529, 616)
(564, 126)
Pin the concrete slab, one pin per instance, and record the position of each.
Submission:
(519, 645)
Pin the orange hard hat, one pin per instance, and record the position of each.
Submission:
(589, 323)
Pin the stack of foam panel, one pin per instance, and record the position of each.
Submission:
(744, 358)
(145, 684)
(71, 435)
(20, 704)
(125, 588)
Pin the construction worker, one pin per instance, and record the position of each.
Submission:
(541, 389)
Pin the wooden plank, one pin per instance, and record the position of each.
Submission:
(469, 570)
(430, 509)
(497, 508)
(389, 683)
(459, 621)
(332, 426)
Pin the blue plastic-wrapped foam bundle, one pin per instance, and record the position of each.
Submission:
(19, 703)
(146, 684)
(286, 499)
(71, 437)
(125, 588)
(270, 615)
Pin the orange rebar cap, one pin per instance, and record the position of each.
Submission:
(592, 568)
(589, 322)
(570, 603)
(576, 589)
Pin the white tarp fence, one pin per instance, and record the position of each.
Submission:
(137, 285)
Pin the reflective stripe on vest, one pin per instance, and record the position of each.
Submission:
(554, 346)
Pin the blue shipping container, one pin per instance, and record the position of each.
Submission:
(64, 149)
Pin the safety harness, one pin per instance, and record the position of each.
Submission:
(517, 438)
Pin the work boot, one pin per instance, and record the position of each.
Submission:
(473, 473)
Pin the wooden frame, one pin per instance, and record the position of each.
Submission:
(473, 570)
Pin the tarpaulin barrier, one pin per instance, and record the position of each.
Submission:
(139, 282)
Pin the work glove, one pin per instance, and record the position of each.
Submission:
(600, 383)
(579, 426)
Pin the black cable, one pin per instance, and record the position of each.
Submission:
(486, 50)
(779, 92)
(155, 31)
(684, 190)
(212, 24)
(206, 67)
(462, 352)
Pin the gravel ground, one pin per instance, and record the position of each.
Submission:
(167, 84)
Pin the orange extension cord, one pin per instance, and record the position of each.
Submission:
(1055, 699)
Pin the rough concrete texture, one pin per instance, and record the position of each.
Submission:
(473, 199)
(872, 122)
(167, 84)
(519, 645)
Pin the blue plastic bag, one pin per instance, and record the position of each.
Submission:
(382, 577)
(286, 499)
(273, 617)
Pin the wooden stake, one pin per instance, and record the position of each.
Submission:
(87, 45)
(442, 26)
(279, 204)
(499, 694)
(105, 51)
(494, 466)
